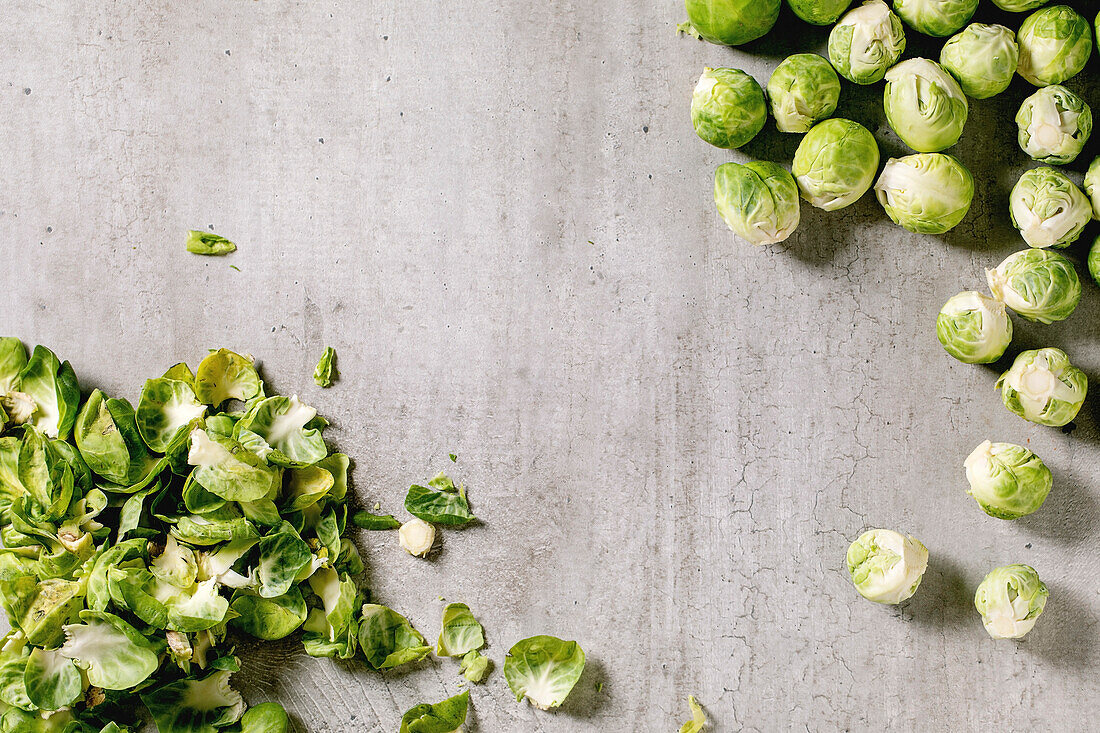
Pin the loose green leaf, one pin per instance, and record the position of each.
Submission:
(269, 618)
(267, 717)
(166, 405)
(195, 705)
(388, 639)
(52, 385)
(366, 520)
(325, 373)
(226, 468)
(277, 429)
(282, 555)
(543, 669)
(115, 655)
(52, 680)
(439, 503)
(698, 721)
(207, 243)
(474, 666)
(441, 717)
(225, 375)
(460, 632)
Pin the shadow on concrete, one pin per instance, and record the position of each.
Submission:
(944, 599)
(1068, 516)
(584, 702)
(1064, 636)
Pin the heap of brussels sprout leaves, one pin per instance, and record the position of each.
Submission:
(137, 542)
(928, 192)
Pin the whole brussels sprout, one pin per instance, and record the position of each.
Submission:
(731, 22)
(886, 566)
(1054, 125)
(1094, 260)
(757, 200)
(1010, 600)
(1048, 208)
(835, 163)
(727, 107)
(937, 18)
(1039, 284)
(1092, 186)
(819, 12)
(973, 328)
(1019, 6)
(927, 193)
(1006, 480)
(983, 59)
(924, 105)
(1055, 44)
(802, 91)
(1043, 387)
(866, 42)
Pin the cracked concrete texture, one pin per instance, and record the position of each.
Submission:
(502, 220)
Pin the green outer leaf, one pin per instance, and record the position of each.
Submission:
(474, 666)
(460, 632)
(166, 406)
(304, 487)
(230, 470)
(388, 639)
(195, 706)
(53, 386)
(129, 588)
(282, 555)
(41, 608)
(365, 520)
(698, 720)
(267, 717)
(277, 430)
(207, 243)
(115, 655)
(269, 618)
(224, 375)
(13, 359)
(543, 668)
(325, 373)
(337, 464)
(203, 609)
(181, 372)
(447, 507)
(440, 717)
(13, 689)
(52, 681)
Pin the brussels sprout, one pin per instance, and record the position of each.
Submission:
(928, 193)
(416, 537)
(924, 105)
(866, 42)
(757, 200)
(1039, 284)
(973, 328)
(819, 12)
(325, 373)
(1019, 6)
(886, 567)
(982, 58)
(1094, 260)
(1055, 44)
(1054, 125)
(802, 91)
(1010, 600)
(543, 669)
(1006, 480)
(1048, 208)
(936, 18)
(727, 107)
(731, 22)
(1092, 186)
(1043, 387)
(835, 164)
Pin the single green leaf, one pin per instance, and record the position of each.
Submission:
(195, 705)
(447, 716)
(225, 375)
(52, 681)
(282, 555)
(13, 359)
(207, 243)
(53, 387)
(226, 468)
(474, 666)
(366, 520)
(325, 373)
(698, 720)
(277, 429)
(544, 669)
(115, 655)
(269, 618)
(166, 406)
(388, 639)
(267, 717)
(439, 502)
(460, 632)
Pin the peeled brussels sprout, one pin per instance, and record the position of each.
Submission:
(973, 328)
(416, 537)
(1039, 284)
(1010, 600)
(1092, 186)
(731, 22)
(937, 18)
(835, 164)
(886, 567)
(1048, 208)
(1054, 125)
(727, 107)
(1055, 44)
(1006, 480)
(819, 12)
(1094, 260)
(802, 91)
(982, 58)
(1043, 387)
(757, 200)
(925, 105)
(928, 193)
(866, 42)
(1019, 6)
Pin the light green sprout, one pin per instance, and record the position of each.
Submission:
(757, 200)
(731, 22)
(474, 666)
(1094, 260)
(543, 669)
(1043, 387)
(1092, 186)
(802, 91)
(1019, 6)
(982, 58)
(1008, 481)
(973, 328)
(1010, 600)
(1055, 44)
(938, 18)
(866, 42)
(1048, 208)
(886, 566)
(835, 163)
(819, 12)
(1054, 125)
(727, 107)
(1039, 284)
(925, 105)
(927, 193)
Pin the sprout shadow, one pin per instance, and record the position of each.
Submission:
(1064, 636)
(944, 599)
(1069, 514)
(585, 701)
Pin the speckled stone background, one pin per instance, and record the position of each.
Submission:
(501, 218)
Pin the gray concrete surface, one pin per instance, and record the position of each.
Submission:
(500, 217)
